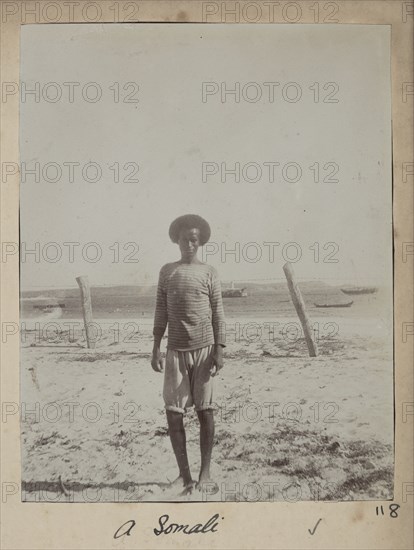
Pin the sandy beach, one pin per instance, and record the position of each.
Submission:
(288, 427)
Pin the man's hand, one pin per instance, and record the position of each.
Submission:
(157, 361)
(217, 363)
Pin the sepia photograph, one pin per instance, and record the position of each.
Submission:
(206, 263)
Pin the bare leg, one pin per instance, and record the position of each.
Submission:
(178, 441)
(206, 419)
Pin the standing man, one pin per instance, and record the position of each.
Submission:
(189, 301)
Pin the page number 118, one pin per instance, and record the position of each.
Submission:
(392, 510)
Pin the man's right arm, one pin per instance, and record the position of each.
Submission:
(157, 361)
(157, 339)
(160, 324)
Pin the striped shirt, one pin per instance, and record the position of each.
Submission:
(189, 301)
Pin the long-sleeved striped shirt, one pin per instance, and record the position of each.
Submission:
(189, 301)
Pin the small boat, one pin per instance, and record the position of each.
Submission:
(359, 290)
(48, 307)
(234, 292)
(333, 304)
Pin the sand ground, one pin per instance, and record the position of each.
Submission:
(288, 426)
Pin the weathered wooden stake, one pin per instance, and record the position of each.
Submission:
(86, 309)
(300, 309)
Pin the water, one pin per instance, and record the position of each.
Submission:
(134, 302)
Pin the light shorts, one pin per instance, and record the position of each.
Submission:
(187, 379)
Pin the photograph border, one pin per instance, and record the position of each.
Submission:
(281, 525)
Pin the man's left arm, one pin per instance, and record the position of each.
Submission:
(218, 322)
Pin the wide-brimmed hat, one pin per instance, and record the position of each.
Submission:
(190, 221)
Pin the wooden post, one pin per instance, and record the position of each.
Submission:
(86, 309)
(299, 304)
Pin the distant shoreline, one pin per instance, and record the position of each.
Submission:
(279, 284)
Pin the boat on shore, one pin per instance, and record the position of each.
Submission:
(359, 290)
(48, 307)
(234, 292)
(334, 304)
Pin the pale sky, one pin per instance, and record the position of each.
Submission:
(171, 132)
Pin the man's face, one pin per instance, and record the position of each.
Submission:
(189, 241)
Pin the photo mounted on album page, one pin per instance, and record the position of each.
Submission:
(203, 327)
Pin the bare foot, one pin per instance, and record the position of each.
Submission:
(208, 487)
(188, 488)
(177, 482)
